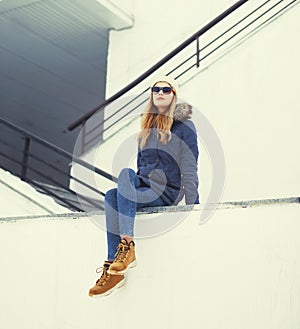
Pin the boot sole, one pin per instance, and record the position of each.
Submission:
(109, 292)
(131, 265)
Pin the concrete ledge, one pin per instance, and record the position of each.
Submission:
(180, 208)
(240, 270)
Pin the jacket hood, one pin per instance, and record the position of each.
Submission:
(183, 111)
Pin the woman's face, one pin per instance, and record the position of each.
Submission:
(162, 100)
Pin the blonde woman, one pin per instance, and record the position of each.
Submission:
(166, 172)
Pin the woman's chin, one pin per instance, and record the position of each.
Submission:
(162, 110)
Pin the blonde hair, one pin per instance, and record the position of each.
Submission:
(163, 122)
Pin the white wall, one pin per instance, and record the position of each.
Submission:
(159, 26)
(238, 270)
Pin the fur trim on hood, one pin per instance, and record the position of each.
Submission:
(183, 111)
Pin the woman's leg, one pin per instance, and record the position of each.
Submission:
(112, 222)
(131, 195)
(121, 205)
(115, 204)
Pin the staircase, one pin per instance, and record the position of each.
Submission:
(123, 120)
(69, 198)
(221, 36)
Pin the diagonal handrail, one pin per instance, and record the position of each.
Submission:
(23, 163)
(122, 111)
(57, 149)
(156, 66)
(31, 137)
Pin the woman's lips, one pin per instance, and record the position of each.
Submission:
(160, 98)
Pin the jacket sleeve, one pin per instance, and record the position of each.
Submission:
(189, 162)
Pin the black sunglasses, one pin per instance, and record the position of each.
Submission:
(165, 90)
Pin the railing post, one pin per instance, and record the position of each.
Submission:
(25, 158)
(198, 51)
(83, 132)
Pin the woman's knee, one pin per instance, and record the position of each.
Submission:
(126, 173)
(127, 178)
(111, 196)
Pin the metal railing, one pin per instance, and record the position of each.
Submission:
(196, 59)
(26, 155)
(259, 15)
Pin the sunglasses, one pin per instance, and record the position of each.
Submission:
(165, 90)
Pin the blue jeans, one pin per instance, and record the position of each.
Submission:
(121, 204)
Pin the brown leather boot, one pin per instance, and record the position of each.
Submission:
(125, 258)
(107, 283)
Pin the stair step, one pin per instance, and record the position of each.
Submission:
(68, 196)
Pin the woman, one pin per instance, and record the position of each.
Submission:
(167, 171)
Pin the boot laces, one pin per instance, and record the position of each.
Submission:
(102, 280)
(121, 253)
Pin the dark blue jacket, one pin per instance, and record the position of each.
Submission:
(171, 169)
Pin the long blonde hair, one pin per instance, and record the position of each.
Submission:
(163, 122)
